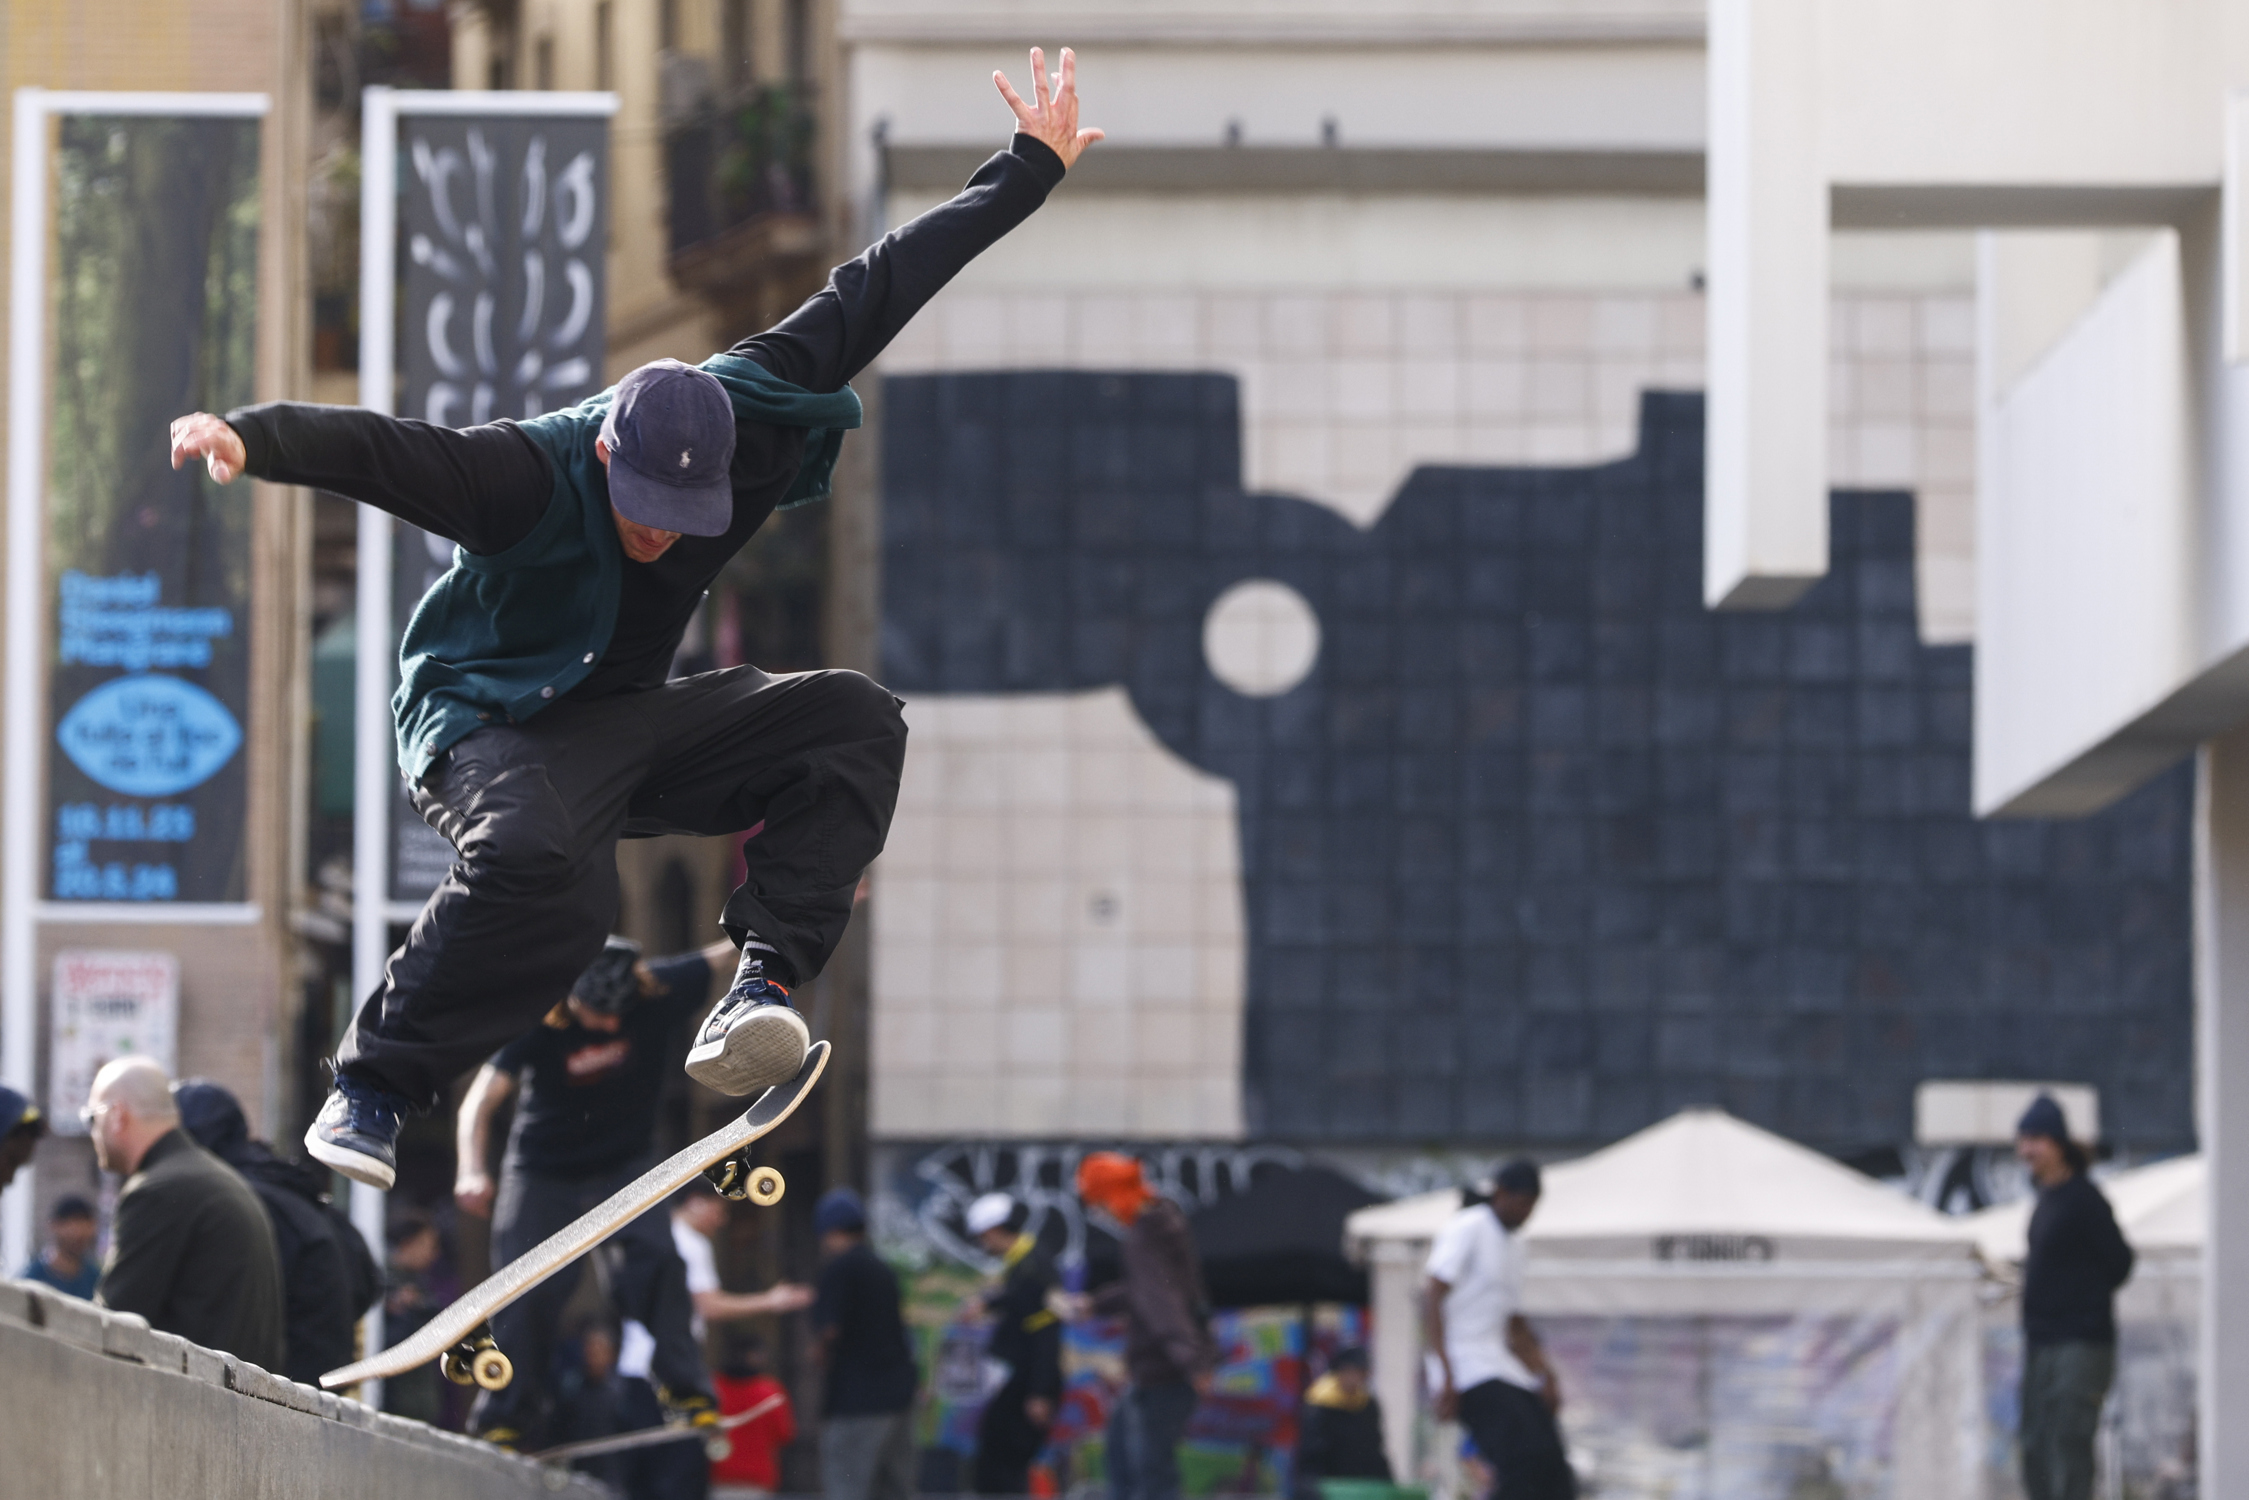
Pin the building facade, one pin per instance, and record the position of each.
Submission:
(1290, 556)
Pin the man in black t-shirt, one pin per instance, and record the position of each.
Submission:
(586, 1084)
(866, 1420)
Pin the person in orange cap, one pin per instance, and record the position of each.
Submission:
(1168, 1349)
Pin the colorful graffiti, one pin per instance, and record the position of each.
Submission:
(1240, 1440)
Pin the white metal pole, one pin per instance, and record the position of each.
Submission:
(2222, 1108)
(372, 769)
(19, 792)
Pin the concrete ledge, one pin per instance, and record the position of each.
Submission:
(101, 1407)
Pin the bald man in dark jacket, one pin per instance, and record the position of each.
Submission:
(190, 1248)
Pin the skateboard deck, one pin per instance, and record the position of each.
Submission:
(453, 1328)
(649, 1437)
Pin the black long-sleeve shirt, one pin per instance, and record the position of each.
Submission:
(484, 488)
(2077, 1260)
(1026, 1337)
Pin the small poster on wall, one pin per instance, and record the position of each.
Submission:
(108, 1005)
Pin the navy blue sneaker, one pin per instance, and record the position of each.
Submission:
(752, 1039)
(356, 1131)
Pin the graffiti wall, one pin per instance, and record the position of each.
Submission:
(1240, 1439)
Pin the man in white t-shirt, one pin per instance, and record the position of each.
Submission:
(680, 1471)
(698, 1214)
(1492, 1375)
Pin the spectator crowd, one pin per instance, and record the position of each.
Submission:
(215, 1237)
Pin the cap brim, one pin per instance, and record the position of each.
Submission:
(704, 510)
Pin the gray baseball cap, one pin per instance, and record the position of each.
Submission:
(670, 432)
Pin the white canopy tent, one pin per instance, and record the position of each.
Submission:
(1692, 1270)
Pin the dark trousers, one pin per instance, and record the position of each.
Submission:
(1520, 1440)
(2064, 1385)
(534, 810)
(1143, 1440)
(639, 1267)
(661, 1471)
(1006, 1442)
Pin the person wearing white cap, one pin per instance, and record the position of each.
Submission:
(1026, 1338)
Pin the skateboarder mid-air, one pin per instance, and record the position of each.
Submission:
(535, 726)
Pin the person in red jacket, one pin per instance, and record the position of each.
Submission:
(752, 1464)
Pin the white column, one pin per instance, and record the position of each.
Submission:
(373, 758)
(19, 784)
(1765, 460)
(2222, 1107)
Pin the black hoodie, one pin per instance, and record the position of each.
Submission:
(328, 1277)
(2078, 1258)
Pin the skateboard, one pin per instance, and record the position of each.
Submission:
(460, 1337)
(649, 1437)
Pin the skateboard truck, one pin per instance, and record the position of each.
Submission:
(736, 1179)
(477, 1360)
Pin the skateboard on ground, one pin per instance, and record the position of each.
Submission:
(649, 1437)
(459, 1337)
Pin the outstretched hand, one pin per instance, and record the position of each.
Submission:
(212, 440)
(1054, 119)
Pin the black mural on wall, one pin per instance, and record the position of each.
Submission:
(1542, 850)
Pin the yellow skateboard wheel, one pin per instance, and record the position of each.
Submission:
(455, 1370)
(766, 1187)
(491, 1369)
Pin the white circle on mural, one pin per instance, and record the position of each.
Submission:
(1261, 638)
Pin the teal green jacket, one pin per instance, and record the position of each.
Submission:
(501, 636)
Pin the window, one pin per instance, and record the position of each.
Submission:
(542, 66)
(667, 25)
(604, 65)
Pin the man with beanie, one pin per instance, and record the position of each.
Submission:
(328, 1275)
(535, 718)
(1492, 1372)
(858, 1319)
(1168, 1351)
(1026, 1338)
(20, 1129)
(67, 1261)
(2077, 1260)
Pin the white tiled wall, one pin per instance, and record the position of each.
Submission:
(1058, 932)
(1344, 393)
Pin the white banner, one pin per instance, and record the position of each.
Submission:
(108, 1005)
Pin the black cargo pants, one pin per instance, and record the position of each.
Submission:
(807, 763)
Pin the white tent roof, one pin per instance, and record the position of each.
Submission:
(1712, 1185)
(2159, 1207)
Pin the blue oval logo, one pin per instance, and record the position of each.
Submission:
(149, 736)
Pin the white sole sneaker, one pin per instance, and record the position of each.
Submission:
(353, 1164)
(764, 1047)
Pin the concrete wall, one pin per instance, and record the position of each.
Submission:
(99, 1406)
